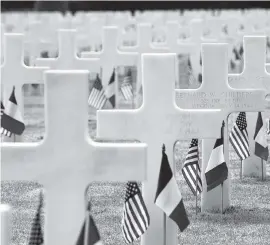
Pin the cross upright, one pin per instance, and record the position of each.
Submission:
(144, 45)
(158, 121)
(111, 57)
(67, 160)
(14, 72)
(254, 76)
(218, 94)
(67, 58)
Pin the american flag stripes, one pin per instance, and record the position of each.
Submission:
(11, 119)
(239, 137)
(126, 87)
(89, 234)
(97, 97)
(135, 220)
(36, 235)
(191, 169)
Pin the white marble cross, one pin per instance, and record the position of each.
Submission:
(158, 121)
(254, 76)
(14, 72)
(144, 45)
(67, 58)
(216, 93)
(67, 160)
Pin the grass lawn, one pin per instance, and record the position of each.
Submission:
(246, 222)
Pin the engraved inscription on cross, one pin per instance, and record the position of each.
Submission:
(254, 76)
(67, 58)
(215, 93)
(67, 160)
(158, 121)
(14, 72)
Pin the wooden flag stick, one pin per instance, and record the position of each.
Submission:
(241, 163)
(222, 198)
(262, 169)
(164, 233)
(196, 188)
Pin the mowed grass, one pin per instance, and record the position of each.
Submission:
(246, 222)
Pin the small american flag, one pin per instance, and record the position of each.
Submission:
(239, 137)
(126, 87)
(36, 235)
(97, 97)
(135, 219)
(191, 170)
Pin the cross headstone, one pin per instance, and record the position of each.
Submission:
(111, 57)
(253, 76)
(158, 121)
(15, 73)
(67, 58)
(67, 160)
(218, 95)
(144, 45)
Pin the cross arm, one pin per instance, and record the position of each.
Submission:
(117, 124)
(127, 58)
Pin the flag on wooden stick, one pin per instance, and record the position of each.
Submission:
(110, 89)
(239, 137)
(268, 126)
(261, 146)
(168, 196)
(89, 234)
(126, 86)
(36, 235)
(97, 97)
(216, 171)
(11, 120)
(135, 220)
(191, 169)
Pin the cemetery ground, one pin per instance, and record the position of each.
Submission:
(246, 222)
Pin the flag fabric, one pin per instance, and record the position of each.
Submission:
(168, 196)
(2, 108)
(191, 169)
(135, 220)
(239, 137)
(89, 234)
(126, 87)
(216, 171)
(97, 97)
(261, 146)
(11, 119)
(110, 90)
(36, 235)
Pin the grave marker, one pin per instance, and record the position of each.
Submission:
(218, 95)
(15, 73)
(67, 160)
(253, 76)
(110, 57)
(158, 121)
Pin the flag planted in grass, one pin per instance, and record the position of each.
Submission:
(191, 170)
(110, 89)
(126, 87)
(97, 97)
(261, 146)
(239, 137)
(11, 120)
(216, 171)
(168, 196)
(135, 220)
(89, 234)
(36, 235)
